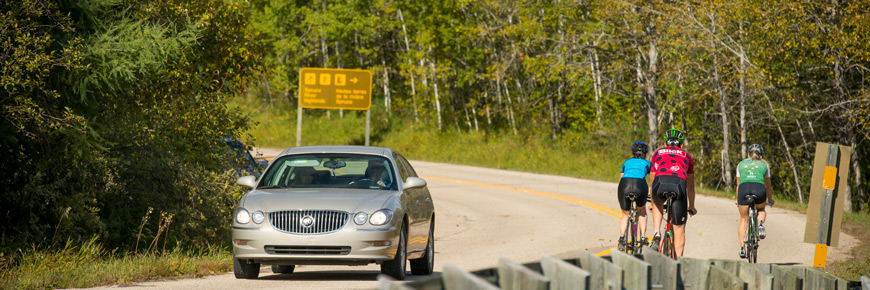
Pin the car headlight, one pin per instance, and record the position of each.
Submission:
(360, 218)
(381, 217)
(243, 216)
(258, 217)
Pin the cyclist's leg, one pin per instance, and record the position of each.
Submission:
(623, 204)
(657, 204)
(641, 207)
(679, 239)
(743, 209)
(742, 225)
(761, 203)
(680, 215)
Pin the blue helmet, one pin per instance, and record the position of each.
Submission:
(639, 148)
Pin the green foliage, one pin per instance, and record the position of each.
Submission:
(88, 264)
(112, 107)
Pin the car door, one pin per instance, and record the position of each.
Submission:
(422, 207)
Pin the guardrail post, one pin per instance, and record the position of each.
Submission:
(665, 271)
(513, 276)
(693, 273)
(637, 272)
(729, 265)
(388, 283)
(755, 277)
(564, 275)
(783, 279)
(719, 278)
(604, 275)
(817, 279)
(455, 278)
(764, 267)
(865, 283)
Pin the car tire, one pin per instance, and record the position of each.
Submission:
(283, 269)
(396, 267)
(426, 264)
(245, 270)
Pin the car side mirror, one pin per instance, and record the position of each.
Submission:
(249, 181)
(415, 182)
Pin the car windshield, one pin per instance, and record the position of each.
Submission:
(330, 171)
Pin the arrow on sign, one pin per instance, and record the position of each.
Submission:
(354, 80)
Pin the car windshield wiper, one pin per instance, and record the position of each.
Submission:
(272, 186)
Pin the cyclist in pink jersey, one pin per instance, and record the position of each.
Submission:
(673, 169)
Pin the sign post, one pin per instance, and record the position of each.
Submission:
(827, 192)
(326, 88)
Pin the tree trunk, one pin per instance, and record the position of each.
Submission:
(435, 85)
(410, 66)
(387, 99)
(647, 80)
(742, 83)
(723, 110)
(511, 116)
(797, 183)
(596, 82)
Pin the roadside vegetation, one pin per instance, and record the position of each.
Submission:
(88, 264)
(110, 108)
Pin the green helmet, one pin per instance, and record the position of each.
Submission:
(674, 136)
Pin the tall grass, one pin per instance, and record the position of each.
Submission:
(88, 264)
(275, 127)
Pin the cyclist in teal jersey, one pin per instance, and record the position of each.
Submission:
(753, 177)
(633, 180)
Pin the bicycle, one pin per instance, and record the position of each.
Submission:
(750, 241)
(631, 241)
(666, 246)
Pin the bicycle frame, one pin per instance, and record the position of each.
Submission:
(750, 240)
(631, 237)
(667, 243)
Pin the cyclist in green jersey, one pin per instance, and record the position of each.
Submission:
(753, 178)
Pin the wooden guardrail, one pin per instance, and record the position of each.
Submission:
(631, 272)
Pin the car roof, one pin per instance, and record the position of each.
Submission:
(339, 149)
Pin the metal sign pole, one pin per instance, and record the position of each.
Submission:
(299, 125)
(368, 125)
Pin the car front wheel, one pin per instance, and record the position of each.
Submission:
(396, 267)
(425, 264)
(243, 269)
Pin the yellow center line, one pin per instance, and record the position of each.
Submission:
(611, 211)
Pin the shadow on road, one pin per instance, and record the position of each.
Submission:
(332, 276)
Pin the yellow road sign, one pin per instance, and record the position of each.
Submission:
(327, 88)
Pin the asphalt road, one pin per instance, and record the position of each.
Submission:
(483, 214)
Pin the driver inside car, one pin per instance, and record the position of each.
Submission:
(376, 174)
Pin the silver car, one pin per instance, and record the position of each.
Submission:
(335, 205)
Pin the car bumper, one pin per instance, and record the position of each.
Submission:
(349, 246)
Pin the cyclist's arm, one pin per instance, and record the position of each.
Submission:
(769, 189)
(690, 189)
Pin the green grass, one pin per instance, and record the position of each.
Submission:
(276, 127)
(88, 264)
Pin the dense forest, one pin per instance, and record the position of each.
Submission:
(112, 108)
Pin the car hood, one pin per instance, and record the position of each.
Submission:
(349, 200)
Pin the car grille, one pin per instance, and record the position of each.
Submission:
(307, 250)
(322, 221)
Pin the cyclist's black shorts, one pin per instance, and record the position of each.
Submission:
(632, 185)
(754, 188)
(664, 183)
